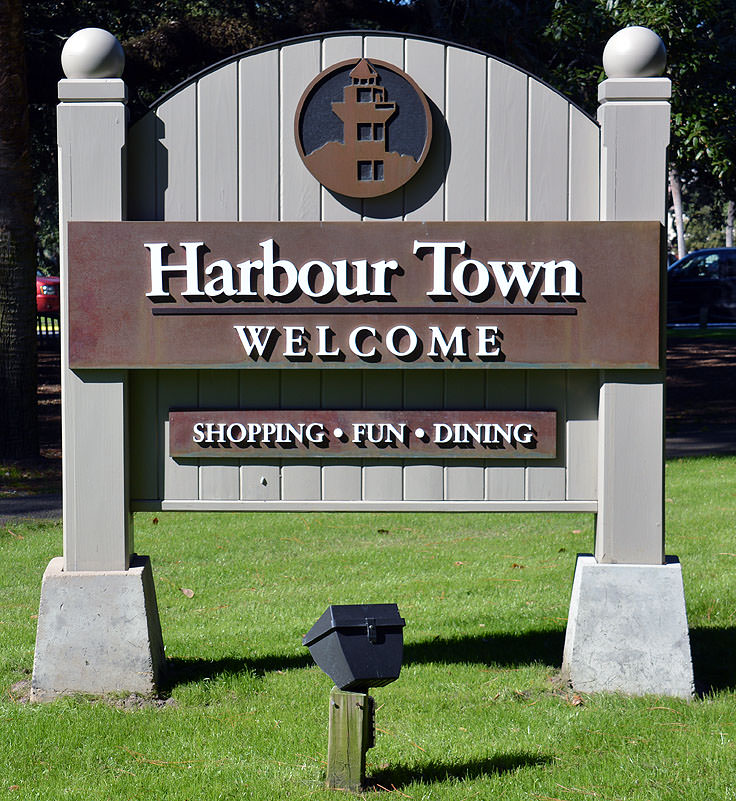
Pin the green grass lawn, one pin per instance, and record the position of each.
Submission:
(476, 713)
(725, 334)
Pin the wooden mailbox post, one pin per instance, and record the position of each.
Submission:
(485, 337)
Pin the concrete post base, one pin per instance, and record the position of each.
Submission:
(627, 630)
(98, 632)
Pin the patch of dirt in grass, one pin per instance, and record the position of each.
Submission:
(135, 701)
(20, 692)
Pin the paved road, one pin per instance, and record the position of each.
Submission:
(717, 442)
(37, 507)
(695, 443)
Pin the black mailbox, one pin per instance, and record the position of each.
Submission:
(358, 645)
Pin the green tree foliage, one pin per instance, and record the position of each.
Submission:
(561, 41)
(510, 29)
(169, 40)
(700, 37)
(165, 42)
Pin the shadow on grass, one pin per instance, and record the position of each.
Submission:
(505, 650)
(186, 671)
(714, 659)
(403, 775)
(713, 652)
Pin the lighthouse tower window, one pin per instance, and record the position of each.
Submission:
(370, 132)
(365, 95)
(370, 171)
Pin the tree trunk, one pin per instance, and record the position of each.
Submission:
(18, 376)
(729, 224)
(676, 190)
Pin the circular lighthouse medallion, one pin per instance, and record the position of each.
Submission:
(363, 128)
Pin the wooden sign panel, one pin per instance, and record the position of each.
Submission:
(415, 434)
(368, 294)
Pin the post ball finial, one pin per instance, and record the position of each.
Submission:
(92, 53)
(634, 52)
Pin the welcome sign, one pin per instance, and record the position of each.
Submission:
(283, 363)
(385, 294)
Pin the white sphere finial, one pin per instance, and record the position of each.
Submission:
(634, 52)
(92, 53)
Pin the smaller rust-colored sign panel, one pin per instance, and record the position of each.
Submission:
(371, 434)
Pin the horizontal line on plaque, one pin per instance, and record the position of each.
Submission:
(405, 310)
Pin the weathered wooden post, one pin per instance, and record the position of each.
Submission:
(351, 733)
(358, 646)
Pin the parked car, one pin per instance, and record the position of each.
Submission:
(47, 294)
(701, 288)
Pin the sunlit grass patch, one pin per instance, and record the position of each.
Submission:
(477, 711)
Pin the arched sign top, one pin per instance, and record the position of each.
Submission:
(363, 128)
(337, 35)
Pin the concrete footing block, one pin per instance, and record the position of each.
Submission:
(98, 632)
(627, 630)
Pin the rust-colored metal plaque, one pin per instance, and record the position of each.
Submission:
(364, 294)
(406, 434)
(363, 128)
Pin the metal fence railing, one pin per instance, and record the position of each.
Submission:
(48, 330)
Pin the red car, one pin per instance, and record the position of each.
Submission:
(47, 294)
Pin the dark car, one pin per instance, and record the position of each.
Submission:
(47, 294)
(701, 288)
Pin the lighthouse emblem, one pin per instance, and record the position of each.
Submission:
(363, 128)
